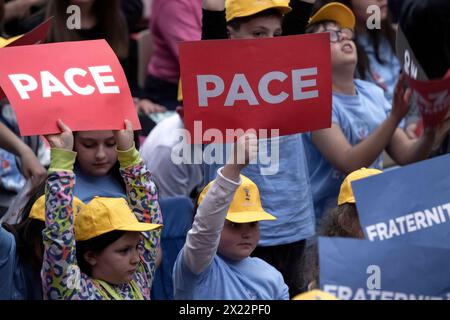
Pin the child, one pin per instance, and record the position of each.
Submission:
(111, 254)
(341, 221)
(363, 124)
(96, 165)
(215, 262)
(377, 62)
(21, 251)
(287, 191)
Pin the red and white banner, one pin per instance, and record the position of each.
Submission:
(279, 83)
(433, 99)
(82, 83)
(37, 35)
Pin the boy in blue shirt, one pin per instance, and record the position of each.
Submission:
(215, 262)
(284, 182)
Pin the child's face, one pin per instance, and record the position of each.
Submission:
(343, 51)
(360, 9)
(96, 153)
(117, 263)
(259, 27)
(238, 240)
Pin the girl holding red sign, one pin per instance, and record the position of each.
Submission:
(109, 251)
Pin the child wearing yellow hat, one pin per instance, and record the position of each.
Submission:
(364, 123)
(215, 262)
(22, 249)
(109, 251)
(282, 241)
(341, 221)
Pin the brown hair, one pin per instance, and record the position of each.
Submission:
(2, 15)
(28, 233)
(110, 22)
(341, 221)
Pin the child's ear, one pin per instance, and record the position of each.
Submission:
(90, 258)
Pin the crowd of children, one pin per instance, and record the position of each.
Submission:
(92, 225)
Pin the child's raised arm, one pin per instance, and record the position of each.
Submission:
(203, 239)
(60, 271)
(142, 194)
(335, 147)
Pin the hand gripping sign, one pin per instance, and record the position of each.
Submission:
(280, 83)
(80, 82)
(433, 99)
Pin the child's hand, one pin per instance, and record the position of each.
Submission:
(125, 137)
(63, 140)
(402, 97)
(244, 151)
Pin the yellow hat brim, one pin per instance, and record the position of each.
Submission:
(315, 295)
(337, 12)
(250, 216)
(137, 227)
(140, 227)
(254, 10)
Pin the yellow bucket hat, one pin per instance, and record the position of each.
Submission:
(102, 215)
(314, 295)
(346, 193)
(335, 11)
(246, 205)
(245, 8)
(38, 209)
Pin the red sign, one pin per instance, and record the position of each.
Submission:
(278, 83)
(37, 35)
(82, 83)
(432, 98)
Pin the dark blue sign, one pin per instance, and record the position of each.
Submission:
(352, 269)
(409, 204)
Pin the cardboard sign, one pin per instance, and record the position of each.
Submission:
(410, 204)
(352, 269)
(81, 83)
(279, 83)
(37, 35)
(408, 60)
(433, 99)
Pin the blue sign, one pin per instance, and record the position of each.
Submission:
(409, 204)
(352, 269)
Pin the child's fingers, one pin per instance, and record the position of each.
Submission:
(128, 125)
(63, 127)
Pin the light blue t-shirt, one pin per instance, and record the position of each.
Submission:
(385, 74)
(358, 116)
(87, 187)
(223, 279)
(17, 281)
(284, 188)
